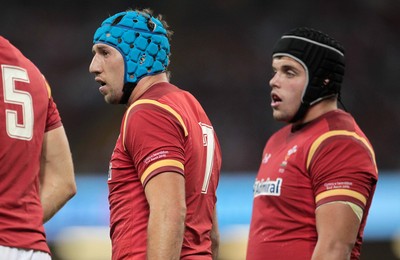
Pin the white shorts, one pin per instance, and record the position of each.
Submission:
(12, 253)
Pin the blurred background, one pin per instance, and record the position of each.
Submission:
(221, 52)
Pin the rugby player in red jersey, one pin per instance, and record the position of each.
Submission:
(36, 169)
(165, 166)
(318, 174)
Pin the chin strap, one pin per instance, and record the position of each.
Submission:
(305, 106)
(300, 113)
(127, 91)
(341, 103)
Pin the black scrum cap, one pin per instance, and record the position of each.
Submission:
(322, 58)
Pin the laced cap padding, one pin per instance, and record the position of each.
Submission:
(143, 42)
(322, 58)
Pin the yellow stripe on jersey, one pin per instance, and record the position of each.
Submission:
(48, 87)
(159, 164)
(325, 136)
(166, 107)
(341, 192)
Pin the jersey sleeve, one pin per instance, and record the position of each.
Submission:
(154, 138)
(343, 168)
(53, 116)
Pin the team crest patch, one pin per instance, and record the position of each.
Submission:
(285, 161)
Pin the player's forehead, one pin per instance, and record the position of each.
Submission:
(97, 47)
(285, 61)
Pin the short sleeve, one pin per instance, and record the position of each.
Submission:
(53, 116)
(343, 169)
(154, 139)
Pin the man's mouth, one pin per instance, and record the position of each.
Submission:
(275, 100)
(101, 82)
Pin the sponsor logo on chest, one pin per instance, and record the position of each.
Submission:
(267, 187)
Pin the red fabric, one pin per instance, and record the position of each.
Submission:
(152, 134)
(24, 93)
(285, 192)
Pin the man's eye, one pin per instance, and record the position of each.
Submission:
(290, 73)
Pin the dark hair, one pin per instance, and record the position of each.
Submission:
(160, 17)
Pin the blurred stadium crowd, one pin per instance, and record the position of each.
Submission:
(221, 53)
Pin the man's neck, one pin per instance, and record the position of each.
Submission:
(317, 110)
(145, 84)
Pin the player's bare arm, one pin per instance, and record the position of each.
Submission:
(166, 197)
(337, 227)
(57, 181)
(215, 237)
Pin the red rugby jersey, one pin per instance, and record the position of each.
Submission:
(328, 159)
(27, 111)
(165, 130)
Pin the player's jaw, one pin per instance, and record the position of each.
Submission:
(111, 92)
(283, 106)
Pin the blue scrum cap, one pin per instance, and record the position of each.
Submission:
(141, 39)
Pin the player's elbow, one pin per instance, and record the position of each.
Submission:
(334, 250)
(69, 184)
(181, 213)
(71, 190)
(215, 239)
(342, 251)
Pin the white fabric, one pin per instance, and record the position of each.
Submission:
(12, 253)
